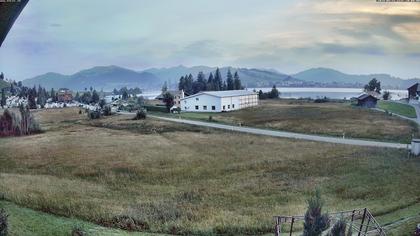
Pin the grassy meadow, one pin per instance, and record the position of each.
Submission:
(398, 108)
(160, 177)
(331, 118)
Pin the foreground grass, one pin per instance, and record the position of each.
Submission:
(398, 108)
(331, 119)
(27, 222)
(193, 181)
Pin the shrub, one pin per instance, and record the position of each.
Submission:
(3, 223)
(126, 223)
(94, 114)
(107, 110)
(339, 228)
(78, 231)
(13, 125)
(155, 108)
(315, 221)
(140, 115)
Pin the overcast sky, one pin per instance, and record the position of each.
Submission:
(354, 36)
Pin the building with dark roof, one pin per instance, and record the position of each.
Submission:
(367, 100)
(414, 91)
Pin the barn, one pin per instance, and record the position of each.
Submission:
(219, 101)
(414, 91)
(367, 101)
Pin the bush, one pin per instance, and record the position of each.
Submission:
(339, 228)
(78, 231)
(156, 108)
(140, 115)
(3, 223)
(315, 221)
(107, 110)
(94, 114)
(321, 100)
(14, 125)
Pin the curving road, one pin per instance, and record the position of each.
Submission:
(283, 134)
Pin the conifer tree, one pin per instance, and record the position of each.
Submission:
(237, 82)
(3, 98)
(229, 81)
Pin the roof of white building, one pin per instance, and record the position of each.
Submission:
(227, 93)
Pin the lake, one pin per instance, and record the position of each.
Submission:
(333, 93)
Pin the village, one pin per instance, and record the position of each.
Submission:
(221, 119)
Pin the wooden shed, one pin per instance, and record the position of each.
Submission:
(367, 101)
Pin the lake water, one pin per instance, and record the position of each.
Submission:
(333, 93)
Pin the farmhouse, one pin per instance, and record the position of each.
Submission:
(414, 91)
(64, 95)
(219, 101)
(177, 94)
(367, 100)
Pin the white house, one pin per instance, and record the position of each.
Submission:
(219, 101)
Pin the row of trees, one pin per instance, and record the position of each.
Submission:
(273, 94)
(214, 82)
(87, 97)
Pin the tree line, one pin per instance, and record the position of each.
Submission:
(214, 82)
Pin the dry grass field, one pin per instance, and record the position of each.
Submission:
(332, 118)
(179, 179)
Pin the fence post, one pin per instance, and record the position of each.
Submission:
(291, 226)
(363, 220)
(277, 229)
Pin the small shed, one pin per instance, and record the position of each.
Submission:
(367, 101)
(413, 91)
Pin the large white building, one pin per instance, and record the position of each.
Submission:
(219, 101)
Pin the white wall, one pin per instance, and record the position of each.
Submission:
(189, 104)
(221, 104)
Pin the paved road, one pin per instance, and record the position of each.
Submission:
(283, 134)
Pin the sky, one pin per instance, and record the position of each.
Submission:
(353, 36)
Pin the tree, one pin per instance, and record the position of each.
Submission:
(3, 98)
(181, 84)
(125, 95)
(315, 222)
(12, 89)
(218, 80)
(1, 76)
(229, 81)
(77, 97)
(210, 83)
(168, 99)
(274, 93)
(95, 96)
(165, 87)
(140, 101)
(386, 95)
(373, 86)
(102, 103)
(31, 98)
(237, 82)
(53, 95)
(42, 97)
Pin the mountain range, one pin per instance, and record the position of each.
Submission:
(110, 77)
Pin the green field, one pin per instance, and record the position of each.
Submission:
(27, 222)
(331, 119)
(398, 108)
(179, 179)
